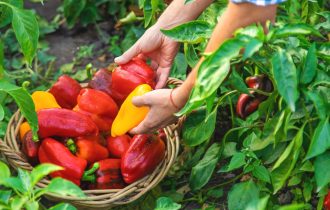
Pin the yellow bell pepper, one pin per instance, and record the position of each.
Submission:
(44, 100)
(23, 129)
(129, 116)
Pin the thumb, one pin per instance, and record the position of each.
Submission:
(139, 101)
(129, 54)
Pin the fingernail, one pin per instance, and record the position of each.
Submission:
(118, 59)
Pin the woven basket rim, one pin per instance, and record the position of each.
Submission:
(102, 198)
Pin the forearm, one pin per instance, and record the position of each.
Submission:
(236, 16)
(178, 12)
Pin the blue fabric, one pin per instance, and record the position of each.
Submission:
(260, 2)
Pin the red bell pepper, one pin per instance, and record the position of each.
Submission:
(102, 81)
(127, 77)
(117, 146)
(326, 202)
(101, 108)
(247, 104)
(105, 174)
(30, 147)
(52, 151)
(87, 149)
(146, 151)
(64, 123)
(65, 91)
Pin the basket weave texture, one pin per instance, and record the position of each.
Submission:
(96, 199)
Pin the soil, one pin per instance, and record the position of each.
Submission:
(64, 43)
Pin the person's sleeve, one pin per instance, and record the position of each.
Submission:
(259, 2)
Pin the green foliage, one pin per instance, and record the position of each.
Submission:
(21, 192)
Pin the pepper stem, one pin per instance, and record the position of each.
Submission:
(71, 146)
(89, 175)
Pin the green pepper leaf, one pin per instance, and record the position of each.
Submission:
(165, 203)
(63, 206)
(252, 47)
(197, 129)
(202, 172)
(5, 196)
(309, 70)
(322, 170)
(64, 187)
(294, 30)
(296, 206)
(26, 29)
(41, 171)
(191, 32)
(261, 172)
(242, 195)
(320, 141)
(72, 10)
(237, 161)
(24, 102)
(236, 80)
(5, 172)
(285, 76)
(285, 164)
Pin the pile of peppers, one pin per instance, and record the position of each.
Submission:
(85, 129)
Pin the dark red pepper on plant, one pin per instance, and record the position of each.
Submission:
(117, 146)
(99, 106)
(146, 151)
(326, 202)
(30, 147)
(87, 149)
(65, 91)
(102, 81)
(247, 104)
(105, 174)
(64, 123)
(127, 77)
(52, 151)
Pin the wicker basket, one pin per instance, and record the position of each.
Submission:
(96, 199)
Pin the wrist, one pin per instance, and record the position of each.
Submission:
(179, 97)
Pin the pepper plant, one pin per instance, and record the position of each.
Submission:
(20, 192)
(284, 144)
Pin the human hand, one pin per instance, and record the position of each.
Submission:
(156, 46)
(161, 111)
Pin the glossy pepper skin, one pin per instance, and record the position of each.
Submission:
(127, 77)
(23, 129)
(247, 104)
(102, 81)
(30, 148)
(326, 202)
(146, 151)
(117, 146)
(105, 174)
(44, 100)
(66, 91)
(88, 149)
(64, 123)
(101, 108)
(52, 151)
(129, 115)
